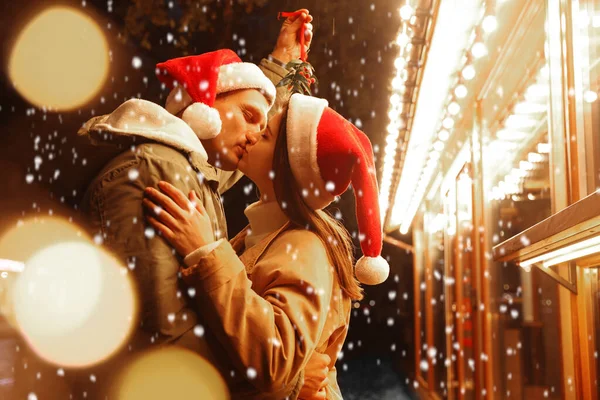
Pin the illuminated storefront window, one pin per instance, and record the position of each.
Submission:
(586, 59)
(517, 174)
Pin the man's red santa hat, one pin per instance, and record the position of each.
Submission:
(197, 80)
(326, 154)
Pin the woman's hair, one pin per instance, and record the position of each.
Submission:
(333, 234)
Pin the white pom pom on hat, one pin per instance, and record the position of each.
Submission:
(204, 120)
(372, 270)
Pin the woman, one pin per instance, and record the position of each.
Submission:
(289, 293)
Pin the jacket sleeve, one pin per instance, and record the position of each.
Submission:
(275, 73)
(269, 335)
(117, 214)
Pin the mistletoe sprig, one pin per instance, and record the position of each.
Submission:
(300, 77)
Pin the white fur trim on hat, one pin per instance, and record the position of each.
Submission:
(243, 75)
(372, 270)
(204, 120)
(177, 100)
(304, 114)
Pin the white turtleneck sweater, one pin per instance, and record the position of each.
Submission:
(264, 219)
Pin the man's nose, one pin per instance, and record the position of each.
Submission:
(252, 137)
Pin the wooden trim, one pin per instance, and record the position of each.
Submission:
(418, 237)
(587, 334)
(447, 306)
(584, 145)
(571, 138)
(398, 243)
(569, 225)
(480, 247)
(429, 313)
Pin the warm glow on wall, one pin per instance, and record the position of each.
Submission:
(59, 60)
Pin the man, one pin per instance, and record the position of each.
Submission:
(223, 107)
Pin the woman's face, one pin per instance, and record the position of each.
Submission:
(257, 161)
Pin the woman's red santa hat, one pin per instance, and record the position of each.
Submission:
(197, 80)
(326, 154)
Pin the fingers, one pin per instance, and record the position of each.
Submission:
(197, 203)
(158, 226)
(165, 202)
(298, 18)
(161, 215)
(308, 35)
(175, 194)
(301, 13)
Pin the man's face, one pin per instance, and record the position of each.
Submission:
(244, 116)
(257, 161)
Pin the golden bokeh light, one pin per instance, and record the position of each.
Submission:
(33, 234)
(73, 302)
(59, 60)
(170, 373)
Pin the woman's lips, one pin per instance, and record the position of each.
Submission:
(239, 151)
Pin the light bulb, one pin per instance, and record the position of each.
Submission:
(402, 40)
(461, 91)
(590, 96)
(468, 72)
(399, 63)
(448, 123)
(453, 108)
(479, 50)
(406, 11)
(489, 23)
(444, 135)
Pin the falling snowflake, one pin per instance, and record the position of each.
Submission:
(251, 373)
(133, 174)
(136, 62)
(199, 330)
(149, 232)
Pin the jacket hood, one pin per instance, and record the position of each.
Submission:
(146, 120)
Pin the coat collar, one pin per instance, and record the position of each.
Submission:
(138, 121)
(251, 255)
(144, 120)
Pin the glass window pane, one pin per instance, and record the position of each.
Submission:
(586, 53)
(437, 352)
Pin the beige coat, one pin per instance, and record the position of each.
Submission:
(271, 307)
